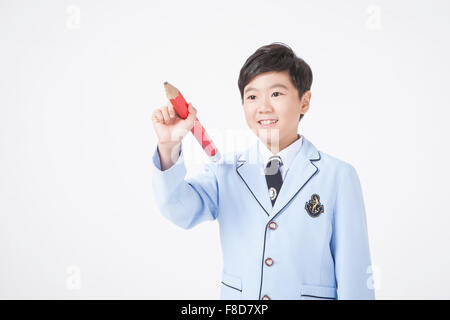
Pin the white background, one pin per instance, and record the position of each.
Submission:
(79, 81)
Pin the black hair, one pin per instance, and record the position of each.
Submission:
(276, 56)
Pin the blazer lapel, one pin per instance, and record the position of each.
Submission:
(300, 172)
(250, 169)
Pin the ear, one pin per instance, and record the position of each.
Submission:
(304, 103)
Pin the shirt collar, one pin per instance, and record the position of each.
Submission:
(287, 155)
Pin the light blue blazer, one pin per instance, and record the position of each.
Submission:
(313, 244)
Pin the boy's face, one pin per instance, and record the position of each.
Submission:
(272, 96)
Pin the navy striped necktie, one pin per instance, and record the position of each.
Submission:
(273, 177)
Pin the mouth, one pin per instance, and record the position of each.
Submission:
(267, 123)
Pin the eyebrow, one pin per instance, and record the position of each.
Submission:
(273, 86)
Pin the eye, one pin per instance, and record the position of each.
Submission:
(279, 93)
(250, 97)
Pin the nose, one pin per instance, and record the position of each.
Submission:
(265, 106)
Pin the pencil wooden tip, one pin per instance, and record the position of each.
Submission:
(171, 91)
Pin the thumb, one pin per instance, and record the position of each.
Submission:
(192, 112)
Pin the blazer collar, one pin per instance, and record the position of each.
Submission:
(250, 169)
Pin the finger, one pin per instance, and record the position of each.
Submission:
(192, 110)
(192, 116)
(172, 112)
(165, 113)
(157, 116)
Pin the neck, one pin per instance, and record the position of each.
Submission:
(275, 148)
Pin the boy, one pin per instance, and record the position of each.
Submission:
(292, 223)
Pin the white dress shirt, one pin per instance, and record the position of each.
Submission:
(287, 155)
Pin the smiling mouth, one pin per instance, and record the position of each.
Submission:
(267, 123)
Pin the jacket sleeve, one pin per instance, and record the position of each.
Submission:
(185, 202)
(349, 242)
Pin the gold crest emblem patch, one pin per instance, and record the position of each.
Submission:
(313, 206)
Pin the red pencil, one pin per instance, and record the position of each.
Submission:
(181, 108)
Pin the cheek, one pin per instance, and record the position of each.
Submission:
(287, 110)
(249, 115)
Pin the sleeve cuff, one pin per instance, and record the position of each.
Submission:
(157, 160)
(168, 179)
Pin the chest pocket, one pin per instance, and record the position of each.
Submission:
(231, 288)
(309, 292)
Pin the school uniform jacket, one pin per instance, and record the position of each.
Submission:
(312, 244)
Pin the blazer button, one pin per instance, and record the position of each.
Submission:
(265, 297)
(269, 262)
(273, 225)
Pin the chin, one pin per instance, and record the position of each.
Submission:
(269, 136)
(271, 133)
